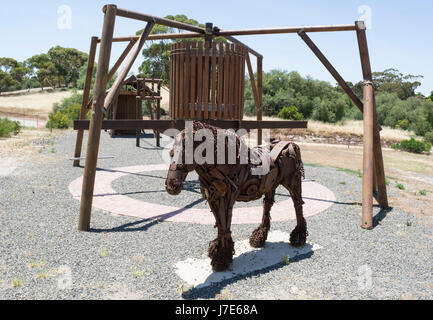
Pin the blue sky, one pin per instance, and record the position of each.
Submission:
(400, 37)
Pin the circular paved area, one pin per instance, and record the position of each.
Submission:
(317, 199)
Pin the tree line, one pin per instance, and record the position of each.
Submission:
(59, 67)
(294, 97)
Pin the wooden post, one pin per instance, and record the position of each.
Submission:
(97, 118)
(158, 116)
(368, 162)
(138, 111)
(378, 157)
(253, 83)
(260, 97)
(86, 96)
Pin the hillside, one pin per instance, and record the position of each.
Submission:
(36, 103)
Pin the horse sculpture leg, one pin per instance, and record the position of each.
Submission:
(298, 237)
(221, 250)
(260, 235)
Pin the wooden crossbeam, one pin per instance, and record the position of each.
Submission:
(181, 124)
(345, 27)
(157, 20)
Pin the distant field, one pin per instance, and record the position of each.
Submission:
(350, 127)
(33, 104)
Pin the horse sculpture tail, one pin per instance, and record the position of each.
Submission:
(298, 160)
(285, 150)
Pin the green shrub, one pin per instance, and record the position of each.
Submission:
(429, 137)
(58, 120)
(64, 118)
(403, 124)
(65, 112)
(290, 113)
(8, 127)
(413, 146)
(74, 99)
(400, 186)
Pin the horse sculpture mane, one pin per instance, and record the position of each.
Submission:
(224, 184)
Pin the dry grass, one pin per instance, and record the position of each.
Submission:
(412, 170)
(40, 103)
(349, 127)
(19, 149)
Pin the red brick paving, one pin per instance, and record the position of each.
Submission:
(317, 199)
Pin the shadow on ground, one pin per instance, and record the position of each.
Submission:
(210, 292)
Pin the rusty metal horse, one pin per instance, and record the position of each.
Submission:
(224, 184)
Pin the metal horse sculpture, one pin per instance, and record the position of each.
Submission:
(223, 185)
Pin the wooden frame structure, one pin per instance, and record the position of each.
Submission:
(372, 161)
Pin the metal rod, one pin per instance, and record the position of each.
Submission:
(99, 158)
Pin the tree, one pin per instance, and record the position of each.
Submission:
(7, 64)
(157, 55)
(391, 81)
(42, 69)
(7, 83)
(67, 62)
(12, 74)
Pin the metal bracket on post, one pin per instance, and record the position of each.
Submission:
(209, 32)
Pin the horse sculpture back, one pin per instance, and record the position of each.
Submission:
(224, 184)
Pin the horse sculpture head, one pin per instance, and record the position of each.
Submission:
(183, 159)
(178, 170)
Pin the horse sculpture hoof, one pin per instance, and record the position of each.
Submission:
(222, 256)
(298, 238)
(258, 238)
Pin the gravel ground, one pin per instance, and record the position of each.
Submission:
(43, 256)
